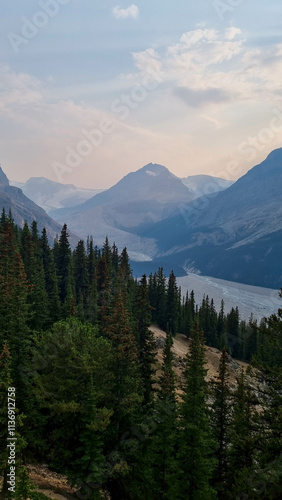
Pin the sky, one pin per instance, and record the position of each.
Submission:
(91, 90)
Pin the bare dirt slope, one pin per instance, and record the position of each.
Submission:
(180, 349)
(50, 483)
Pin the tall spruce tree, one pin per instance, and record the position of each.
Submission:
(127, 395)
(37, 296)
(196, 445)
(221, 420)
(163, 449)
(14, 308)
(145, 339)
(63, 261)
(81, 278)
(173, 304)
(242, 453)
(51, 281)
(161, 300)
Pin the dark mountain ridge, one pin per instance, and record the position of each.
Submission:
(23, 209)
(234, 235)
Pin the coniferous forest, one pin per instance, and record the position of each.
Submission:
(75, 345)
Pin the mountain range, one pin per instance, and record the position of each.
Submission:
(50, 195)
(236, 235)
(148, 196)
(200, 224)
(23, 209)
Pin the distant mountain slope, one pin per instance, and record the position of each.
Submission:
(233, 234)
(236, 235)
(4, 181)
(149, 195)
(251, 206)
(23, 209)
(201, 185)
(51, 195)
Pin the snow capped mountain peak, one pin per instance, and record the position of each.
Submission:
(154, 169)
(149, 172)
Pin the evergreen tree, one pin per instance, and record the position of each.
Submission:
(91, 301)
(104, 290)
(27, 251)
(221, 328)
(221, 419)
(127, 394)
(242, 454)
(125, 280)
(195, 442)
(32, 259)
(208, 321)
(173, 304)
(269, 474)
(145, 338)
(107, 254)
(115, 259)
(14, 309)
(163, 448)
(126, 367)
(161, 302)
(233, 331)
(188, 313)
(153, 298)
(51, 281)
(91, 260)
(73, 388)
(81, 277)
(63, 261)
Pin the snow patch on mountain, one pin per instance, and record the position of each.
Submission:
(139, 256)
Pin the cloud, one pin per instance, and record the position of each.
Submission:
(229, 86)
(199, 98)
(209, 66)
(37, 127)
(232, 32)
(131, 11)
(215, 122)
(147, 61)
(205, 47)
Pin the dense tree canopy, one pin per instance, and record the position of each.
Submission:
(96, 403)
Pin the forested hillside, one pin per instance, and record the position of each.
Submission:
(77, 351)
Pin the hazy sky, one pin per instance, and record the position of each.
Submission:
(93, 89)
